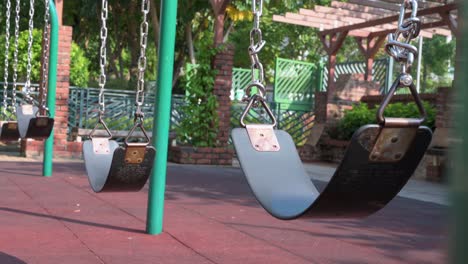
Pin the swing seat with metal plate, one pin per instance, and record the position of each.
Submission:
(111, 168)
(379, 160)
(377, 164)
(32, 124)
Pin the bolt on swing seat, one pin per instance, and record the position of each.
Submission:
(379, 161)
(111, 168)
(32, 124)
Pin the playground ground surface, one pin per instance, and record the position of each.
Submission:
(210, 217)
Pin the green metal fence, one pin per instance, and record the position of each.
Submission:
(83, 112)
(120, 108)
(380, 72)
(298, 123)
(296, 83)
(240, 79)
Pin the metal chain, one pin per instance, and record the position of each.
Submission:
(256, 45)
(45, 60)
(27, 86)
(142, 62)
(7, 53)
(399, 43)
(103, 56)
(15, 57)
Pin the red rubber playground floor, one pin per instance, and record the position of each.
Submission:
(210, 217)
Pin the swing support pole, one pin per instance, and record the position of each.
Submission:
(52, 85)
(459, 174)
(162, 117)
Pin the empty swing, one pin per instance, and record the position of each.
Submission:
(34, 119)
(8, 126)
(111, 168)
(379, 160)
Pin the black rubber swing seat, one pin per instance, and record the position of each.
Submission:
(31, 125)
(111, 168)
(9, 131)
(362, 184)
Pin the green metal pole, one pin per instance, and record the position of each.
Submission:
(52, 85)
(459, 174)
(162, 110)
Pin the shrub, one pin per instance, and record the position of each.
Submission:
(199, 127)
(361, 115)
(79, 72)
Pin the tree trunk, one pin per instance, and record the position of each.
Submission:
(155, 23)
(134, 43)
(219, 9)
(189, 39)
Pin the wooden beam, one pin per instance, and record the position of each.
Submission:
(390, 6)
(369, 50)
(376, 12)
(319, 26)
(386, 20)
(362, 8)
(451, 22)
(331, 13)
(429, 25)
(334, 42)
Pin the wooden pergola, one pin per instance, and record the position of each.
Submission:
(369, 22)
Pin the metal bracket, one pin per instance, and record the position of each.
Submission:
(263, 138)
(27, 109)
(42, 121)
(101, 145)
(392, 144)
(12, 125)
(135, 154)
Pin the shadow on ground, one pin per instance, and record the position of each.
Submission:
(8, 259)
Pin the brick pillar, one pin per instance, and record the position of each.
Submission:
(223, 62)
(62, 148)
(444, 105)
(63, 89)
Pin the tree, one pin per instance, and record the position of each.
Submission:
(437, 58)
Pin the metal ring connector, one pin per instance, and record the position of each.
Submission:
(254, 100)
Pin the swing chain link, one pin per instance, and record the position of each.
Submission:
(256, 45)
(45, 59)
(7, 52)
(142, 61)
(103, 57)
(399, 43)
(15, 57)
(27, 86)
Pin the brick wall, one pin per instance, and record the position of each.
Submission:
(444, 105)
(62, 148)
(221, 154)
(223, 63)
(201, 156)
(350, 88)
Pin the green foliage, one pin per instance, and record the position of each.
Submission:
(199, 127)
(22, 55)
(438, 56)
(361, 115)
(79, 73)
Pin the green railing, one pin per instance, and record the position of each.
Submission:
(120, 108)
(298, 123)
(240, 79)
(296, 83)
(83, 112)
(380, 72)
